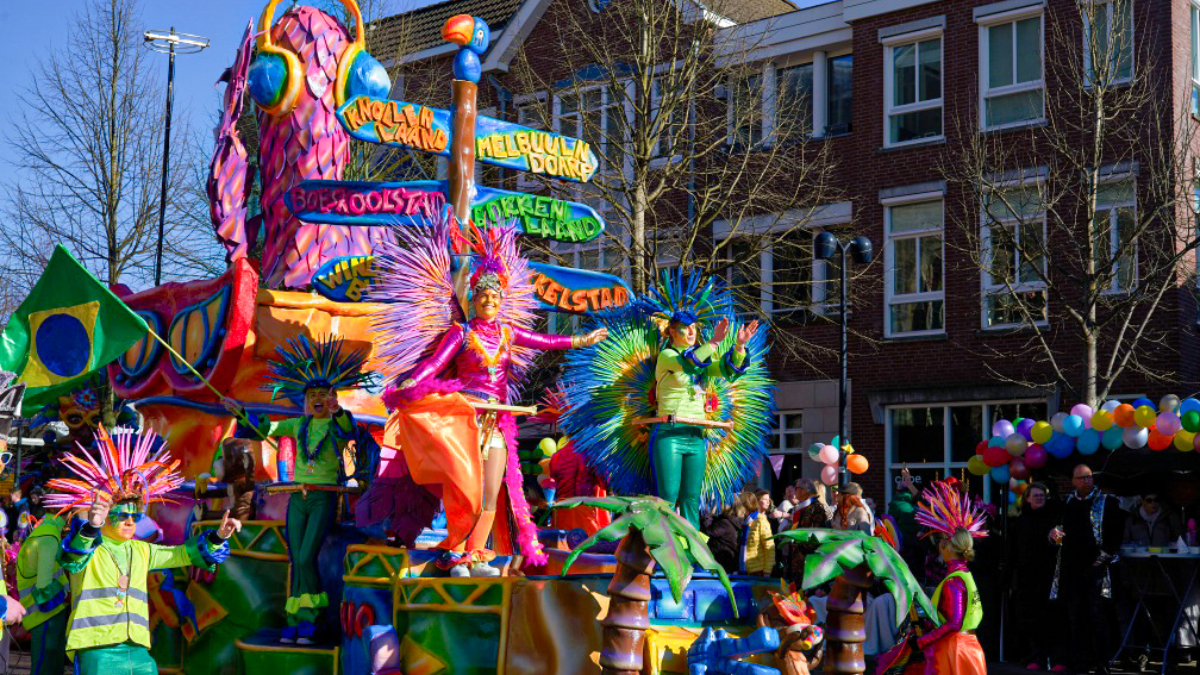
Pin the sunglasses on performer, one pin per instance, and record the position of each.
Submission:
(126, 515)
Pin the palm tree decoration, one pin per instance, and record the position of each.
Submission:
(652, 536)
(854, 561)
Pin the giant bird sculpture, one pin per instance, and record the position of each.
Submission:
(305, 67)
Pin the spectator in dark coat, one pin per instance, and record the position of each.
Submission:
(723, 536)
(1032, 556)
(1151, 524)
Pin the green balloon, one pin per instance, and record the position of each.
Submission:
(814, 452)
(1191, 421)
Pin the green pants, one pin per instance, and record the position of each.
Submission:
(308, 521)
(678, 460)
(122, 659)
(48, 645)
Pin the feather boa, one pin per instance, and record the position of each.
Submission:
(527, 533)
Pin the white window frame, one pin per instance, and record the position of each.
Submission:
(985, 93)
(1194, 15)
(1109, 7)
(946, 465)
(1112, 208)
(605, 107)
(781, 429)
(527, 180)
(766, 102)
(889, 109)
(890, 298)
(988, 289)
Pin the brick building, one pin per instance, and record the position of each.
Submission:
(891, 87)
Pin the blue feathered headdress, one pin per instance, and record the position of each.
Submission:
(302, 365)
(683, 298)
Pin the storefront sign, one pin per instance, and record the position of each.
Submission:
(563, 289)
(346, 279)
(366, 203)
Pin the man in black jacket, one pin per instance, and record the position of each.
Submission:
(1090, 537)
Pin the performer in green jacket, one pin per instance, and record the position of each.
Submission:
(310, 374)
(109, 624)
(42, 589)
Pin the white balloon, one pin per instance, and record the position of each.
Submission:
(1169, 403)
(1057, 421)
(1135, 437)
(1110, 405)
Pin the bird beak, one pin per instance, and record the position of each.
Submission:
(458, 29)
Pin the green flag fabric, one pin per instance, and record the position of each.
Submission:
(70, 326)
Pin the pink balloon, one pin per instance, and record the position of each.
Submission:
(829, 475)
(1018, 468)
(828, 454)
(1084, 411)
(1036, 456)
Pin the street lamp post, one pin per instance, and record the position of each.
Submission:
(860, 250)
(169, 43)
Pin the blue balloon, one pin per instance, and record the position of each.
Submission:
(1143, 401)
(1000, 474)
(1073, 425)
(1188, 405)
(1088, 442)
(1060, 445)
(1112, 438)
(996, 442)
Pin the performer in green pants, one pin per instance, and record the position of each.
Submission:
(311, 373)
(678, 453)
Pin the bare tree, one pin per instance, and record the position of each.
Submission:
(671, 103)
(89, 158)
(1080, 225)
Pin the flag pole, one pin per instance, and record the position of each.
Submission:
(240, 415)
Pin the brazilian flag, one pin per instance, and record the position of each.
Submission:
(69, 327)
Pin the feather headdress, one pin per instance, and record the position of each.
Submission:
(685, 299)
(127, 465)
(945, 510)
(487, 248)
(301, 365)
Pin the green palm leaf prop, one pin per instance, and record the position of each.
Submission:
(672, 541)
(839, 551)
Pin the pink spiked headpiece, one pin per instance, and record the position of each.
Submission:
(488, 250)
(944, 510)
(128, 468)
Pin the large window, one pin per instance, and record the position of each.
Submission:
(744, 274)
(1116, 221)
(746, 110)
(1014, 257)
(936, 441)
(841, 95)
(914, 269)
(1195, 60)
(777, 279)
(674, 113)
(913, 91)
(1011, 72)
(597, 115)
(1108, 40)
(794, 93)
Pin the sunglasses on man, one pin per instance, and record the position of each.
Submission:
(135, 516)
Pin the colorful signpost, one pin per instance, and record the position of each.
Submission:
(346, 279)
(412, 202)
(500, 143)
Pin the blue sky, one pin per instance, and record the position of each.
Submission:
(36, 28)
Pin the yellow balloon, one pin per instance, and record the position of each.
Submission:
(1041, 432)
(1184, 440)
(1102, 420)
(1144, 416)
(547, 446)
(848, 449)
(562, 442)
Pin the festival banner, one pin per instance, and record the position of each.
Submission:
(563, 289)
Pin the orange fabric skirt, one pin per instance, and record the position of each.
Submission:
(956, 654)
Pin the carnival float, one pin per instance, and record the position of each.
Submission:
(366, 369)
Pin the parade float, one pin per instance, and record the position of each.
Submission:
(203, 372)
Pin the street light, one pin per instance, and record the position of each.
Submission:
(169, 43)
(860, 250)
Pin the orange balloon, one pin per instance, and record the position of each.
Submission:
(1159, 441)
(856, 464)
(1123, 415)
